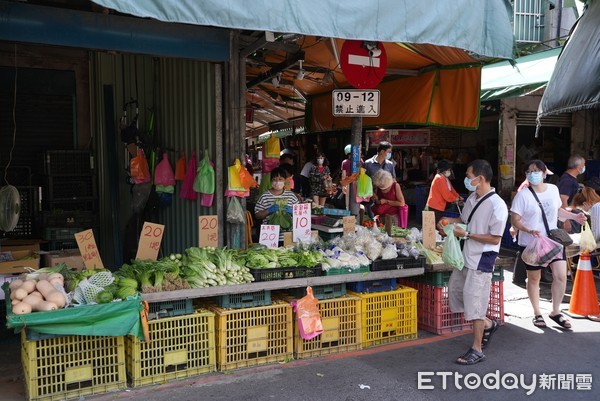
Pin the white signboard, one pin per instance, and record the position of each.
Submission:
(301, 222)
(269, 235)
(355, 103)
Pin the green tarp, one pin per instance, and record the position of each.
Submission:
(526, 74)
(112, 319)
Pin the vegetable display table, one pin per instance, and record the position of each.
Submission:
(279, 284)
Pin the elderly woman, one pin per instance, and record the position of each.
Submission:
(526, 216)
(388, 195)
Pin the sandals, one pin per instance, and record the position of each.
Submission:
(487, 334)
(538, 321)
(561, 321)
(471, 357)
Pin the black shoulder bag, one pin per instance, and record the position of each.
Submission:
(557, 234)
(477, 205)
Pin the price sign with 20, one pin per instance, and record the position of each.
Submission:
(301, 222)
(208, 227)
(150, 240)
(269, 235)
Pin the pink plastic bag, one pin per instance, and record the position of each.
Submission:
(164, 174)
(187, 189)
(403, 216)
(307, 313)
(541, 251)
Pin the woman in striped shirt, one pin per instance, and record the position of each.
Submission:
(265, 206)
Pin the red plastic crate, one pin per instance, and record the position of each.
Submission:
(433, 308)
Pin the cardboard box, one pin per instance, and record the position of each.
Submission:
(10, 270)
(20, 245)
(70, 257)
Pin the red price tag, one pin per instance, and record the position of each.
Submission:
(89, 250)
(208, 231)
(269, 235)
(150, 239)
(301, 222)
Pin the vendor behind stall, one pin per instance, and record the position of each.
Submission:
(441, 191)
(266, 204)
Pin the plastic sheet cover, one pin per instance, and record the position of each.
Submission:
(575, 83)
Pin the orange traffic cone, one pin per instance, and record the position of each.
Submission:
(584, 300)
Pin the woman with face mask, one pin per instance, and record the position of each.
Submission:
(265, 206)
(320, 180)
(526, 216)
(441, 191)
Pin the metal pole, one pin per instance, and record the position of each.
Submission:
(356, 139)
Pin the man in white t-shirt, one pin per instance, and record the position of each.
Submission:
(485, 215)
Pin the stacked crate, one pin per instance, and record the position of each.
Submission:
(388, 316)
(182, 344)
(70, 199)
(71, 367)
(434, 314)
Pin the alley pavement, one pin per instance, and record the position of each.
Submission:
(522, 362)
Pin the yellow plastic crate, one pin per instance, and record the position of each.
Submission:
(341, 318)
(253, 336)
(70, 367)
(179, 347)
(388, 317)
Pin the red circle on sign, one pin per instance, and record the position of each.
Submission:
(363, 63)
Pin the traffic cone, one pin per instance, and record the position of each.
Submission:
(584, 300)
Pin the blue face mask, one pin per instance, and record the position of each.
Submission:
(388, 156)
(468, 185)
(535, 177)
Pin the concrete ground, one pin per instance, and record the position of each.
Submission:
(565, 361)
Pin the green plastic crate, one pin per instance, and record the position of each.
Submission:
(346, 270)
(244, 300)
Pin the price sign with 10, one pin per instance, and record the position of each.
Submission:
(301, 222)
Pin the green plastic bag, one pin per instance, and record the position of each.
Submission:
(204, 182)
(364, 186)
(265, 183)
(451, 253)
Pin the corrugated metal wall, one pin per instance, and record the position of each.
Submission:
(187, 121)
(182, 94)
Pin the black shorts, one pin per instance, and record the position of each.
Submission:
(530, 267)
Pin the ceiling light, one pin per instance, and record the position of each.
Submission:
(300, 75)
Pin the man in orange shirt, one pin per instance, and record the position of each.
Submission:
(441, 191)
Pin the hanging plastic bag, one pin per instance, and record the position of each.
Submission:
(364, 186)
(451, 252)
(587, 243)
(541, 251)
(139, 168)
(235, 212)
(180, 168)
(163, 174)
(206, 200)
(246, 178)
(268, 164)
(272, 148)
(308, 316)
(233, 177)
(205, 177)
(187, 189)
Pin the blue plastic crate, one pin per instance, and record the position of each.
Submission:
(244, 299)
(373, 285)
(336, 212)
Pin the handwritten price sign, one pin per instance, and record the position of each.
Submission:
(89, 250)
(269, 235)
(301, 222)
(150, 239)
(349, 224)
(208, 231)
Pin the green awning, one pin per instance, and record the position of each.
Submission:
(526, 74)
